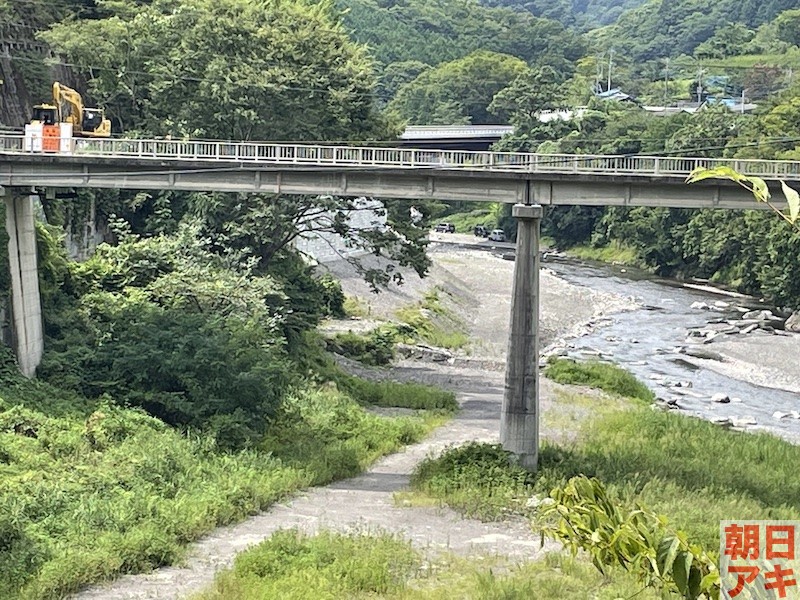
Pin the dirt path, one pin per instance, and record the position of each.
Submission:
(482, 286)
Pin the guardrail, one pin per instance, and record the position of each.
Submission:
(405, 158)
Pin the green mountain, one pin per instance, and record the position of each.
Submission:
(581, 14)
(661, 28)
(436, 31)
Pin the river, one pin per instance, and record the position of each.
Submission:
(646, 342)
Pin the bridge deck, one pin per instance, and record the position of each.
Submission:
(263, 154)
(449, 175)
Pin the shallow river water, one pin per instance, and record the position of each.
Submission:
(646, 340)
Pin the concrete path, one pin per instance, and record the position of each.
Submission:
(361, 503)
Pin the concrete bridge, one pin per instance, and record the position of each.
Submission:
(529, 181)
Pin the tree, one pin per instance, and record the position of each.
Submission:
(459, 91)
(258, 231)
(788, 27)
(227, 69)
(730, 40)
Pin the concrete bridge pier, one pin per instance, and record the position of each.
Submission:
(26, 305)
(519, 420)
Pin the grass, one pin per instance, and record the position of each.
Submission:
(604, 376)
(86, 498)
(293, 566)
(401, 395)
(355, 307)
(615, 253)
(434, 324)
(687, 469)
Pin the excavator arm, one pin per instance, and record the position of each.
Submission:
(68, 107)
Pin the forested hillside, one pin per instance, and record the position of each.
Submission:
(580, 14)
(661, 28)
(442, 30)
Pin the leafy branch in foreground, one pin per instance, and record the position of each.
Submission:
(637, 540)
(756, 186)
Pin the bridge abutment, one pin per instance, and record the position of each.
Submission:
(26, 305)
(519, 420)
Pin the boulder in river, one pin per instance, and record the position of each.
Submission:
(703, 353)
(721, 398)
(793, 322)
(780, 415)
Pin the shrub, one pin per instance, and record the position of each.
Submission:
(481, 479)
(375, 349)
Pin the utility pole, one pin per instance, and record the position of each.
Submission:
(699, 85)
(610, 65)
(666, 85)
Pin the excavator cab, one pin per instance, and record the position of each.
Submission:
(94, 123)
(46, 114)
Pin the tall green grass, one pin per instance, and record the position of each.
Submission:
(692, 471)
(604, 376)
(292, 566)
(84, 499)
(432, 323)
(612, 253)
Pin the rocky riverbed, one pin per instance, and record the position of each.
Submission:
(725, 358)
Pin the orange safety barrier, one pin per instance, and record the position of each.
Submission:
(51, 138)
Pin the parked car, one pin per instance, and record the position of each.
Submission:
(497, 235)
(481, 231)
(445, 228)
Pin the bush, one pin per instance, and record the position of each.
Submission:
(482, 480)
(161, 324)
(375, 349)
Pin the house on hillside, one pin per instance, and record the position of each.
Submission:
(615, 94)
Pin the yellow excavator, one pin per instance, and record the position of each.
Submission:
(68, 107)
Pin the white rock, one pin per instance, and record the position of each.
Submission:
(744, 421)
(700, 305)
(737, 400)
(720, 398)
(795, 414)
(780, 415)
(721, 304)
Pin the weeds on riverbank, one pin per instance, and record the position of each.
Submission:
(613, 253)
(292, 566)
(603, 376)
(87, 498)
(687, 469)
(432, 323)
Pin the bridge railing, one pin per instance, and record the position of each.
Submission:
(404, 158)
